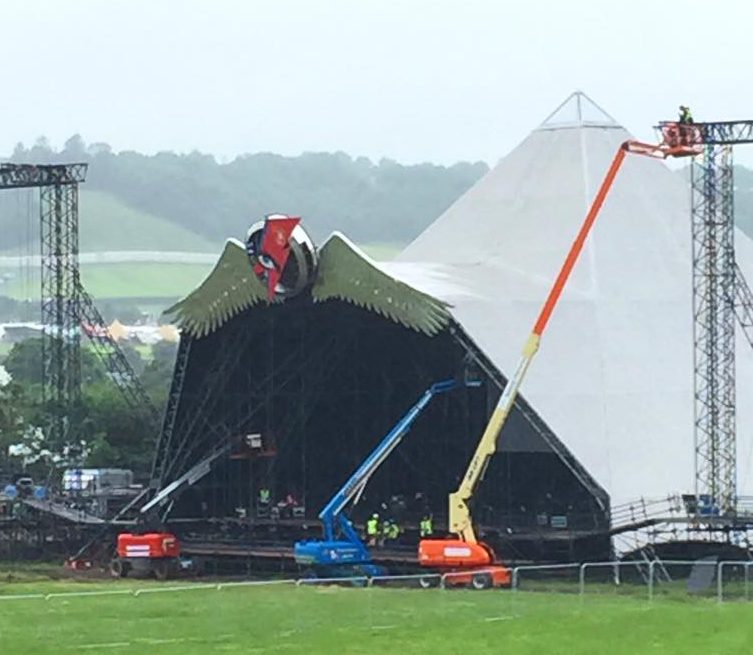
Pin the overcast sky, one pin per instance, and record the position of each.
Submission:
(414, 80)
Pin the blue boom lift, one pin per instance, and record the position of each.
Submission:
(342, 552)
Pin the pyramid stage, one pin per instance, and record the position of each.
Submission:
(606, 413)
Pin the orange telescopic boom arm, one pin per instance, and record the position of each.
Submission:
(459, 513)
(580, 240)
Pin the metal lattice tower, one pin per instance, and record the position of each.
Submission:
(714, 325)
(65, 303)
(61, 339)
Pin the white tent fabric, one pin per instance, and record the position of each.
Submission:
(614, 376)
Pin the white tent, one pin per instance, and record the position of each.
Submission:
(614, 376)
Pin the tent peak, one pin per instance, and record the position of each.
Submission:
(578, 110)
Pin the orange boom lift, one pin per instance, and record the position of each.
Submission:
(469, 560)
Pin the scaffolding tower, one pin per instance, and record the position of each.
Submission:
(64, 302)
(713, 232)
(720, 297)
(61, 340)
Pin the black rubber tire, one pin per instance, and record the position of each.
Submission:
(481, 581)
(428, 582)
(119, 568)
(199, 567)
(361, 579)
(161, 569)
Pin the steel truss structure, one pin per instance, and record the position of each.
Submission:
(720, 295)
(744, 304)
(61, 354)
(26, 176)
(61, 360)
(726, 132)
(120, 370)
(65, 304)
(714, 325)
(199, 431)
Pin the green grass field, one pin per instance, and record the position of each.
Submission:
(282, 618)
(136, 280)
(143, 280)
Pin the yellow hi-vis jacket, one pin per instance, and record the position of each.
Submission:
(426, 527)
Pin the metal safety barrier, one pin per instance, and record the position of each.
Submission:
(720, 578)
(539, 567)
(449, 580)
(615, 566)
(664, 563)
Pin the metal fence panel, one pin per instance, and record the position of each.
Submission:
(628, 578)
(725, 580)
(547, 577)
(733, 581)
(673, 578)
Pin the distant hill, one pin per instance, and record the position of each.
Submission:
(207, 201)
(108, 223)
(371, 202)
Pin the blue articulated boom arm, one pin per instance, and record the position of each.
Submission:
(332, 516)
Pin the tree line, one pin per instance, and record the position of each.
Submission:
(370, 201)
(103, 429)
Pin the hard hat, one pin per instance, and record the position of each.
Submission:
(375, 515)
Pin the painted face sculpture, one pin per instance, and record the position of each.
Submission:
(282, 255)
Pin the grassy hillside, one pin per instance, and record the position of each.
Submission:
(106, 223)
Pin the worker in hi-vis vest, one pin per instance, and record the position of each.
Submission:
(686, 119)
(372, 529)
(265, 496)
(425, 526)
(390, 530)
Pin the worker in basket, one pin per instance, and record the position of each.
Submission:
(685, 132)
